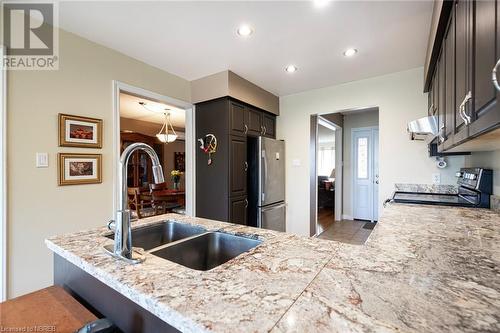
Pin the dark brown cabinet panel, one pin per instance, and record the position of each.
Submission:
(462, 67)
(238, 167)
(254, 122)
(441, 101)
(237, 116)
(449, 52)
(485, 113)
(269, 125)
(238, 210)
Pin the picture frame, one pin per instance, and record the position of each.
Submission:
(179, 161)
(77, 131)
(77, 169)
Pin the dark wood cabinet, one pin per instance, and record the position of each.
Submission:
(237, 116)
(254, 122)
(485, 108)
(460, 84)
(269, 126)
(221, 187)
(449, 65)
(238, 166)
(238, 210)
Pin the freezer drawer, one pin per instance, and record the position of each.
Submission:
(273, 217)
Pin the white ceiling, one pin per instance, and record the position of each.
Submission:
(130, 108)
(195, 39)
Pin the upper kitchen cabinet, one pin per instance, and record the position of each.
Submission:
(485, 105)
(458, 79)
(237, 116)
(254, 121)
(269, 125)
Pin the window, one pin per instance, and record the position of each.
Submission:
(326, 161)
(362, 151)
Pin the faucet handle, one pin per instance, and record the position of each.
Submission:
(111, 225)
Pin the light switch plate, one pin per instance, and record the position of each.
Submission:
(436, 178)
(42, 160)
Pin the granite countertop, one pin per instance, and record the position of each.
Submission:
(423, 269)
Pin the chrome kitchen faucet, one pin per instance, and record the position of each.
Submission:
(123, 235)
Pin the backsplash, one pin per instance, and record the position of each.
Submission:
(426, 188)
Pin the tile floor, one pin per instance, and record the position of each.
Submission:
(347, 231)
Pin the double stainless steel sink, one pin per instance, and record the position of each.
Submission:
(191, 246)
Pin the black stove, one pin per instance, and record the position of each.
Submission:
(475, 186)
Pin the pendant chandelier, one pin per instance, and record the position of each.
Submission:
(164, 135)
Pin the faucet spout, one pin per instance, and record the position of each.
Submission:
(123, 234)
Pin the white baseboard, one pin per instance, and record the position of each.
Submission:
(347, 217)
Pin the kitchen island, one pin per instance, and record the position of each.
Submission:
(423, 269)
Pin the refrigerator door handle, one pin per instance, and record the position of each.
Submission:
(268, 208)
(264, 175)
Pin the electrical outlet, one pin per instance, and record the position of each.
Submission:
(436, 178)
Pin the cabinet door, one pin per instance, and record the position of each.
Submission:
(449, 47)
(462, 67)
(441, 100)
(238, 167)
(269, 124)
(237, 119)
(254, 122)
(238, 210)
(486, 110)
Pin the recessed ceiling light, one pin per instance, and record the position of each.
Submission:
(291, 68)
(244, 30)
(350, 52)
(321, 3)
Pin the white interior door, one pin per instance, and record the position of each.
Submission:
(363, 172)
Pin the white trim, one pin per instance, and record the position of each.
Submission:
(347, 217)
(190, 133)
(338, 166)
(354, 165)
(3, 177)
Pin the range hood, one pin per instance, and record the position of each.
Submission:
(425, 128)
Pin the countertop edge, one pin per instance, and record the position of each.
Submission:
(176, 320)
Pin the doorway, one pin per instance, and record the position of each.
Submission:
(139, 115)
(365, 174)
(346, 222)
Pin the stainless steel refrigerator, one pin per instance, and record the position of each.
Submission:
(266, 183)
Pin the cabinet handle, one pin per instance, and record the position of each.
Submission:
(265, 130)
(494, 76)
(246, 166)
(246, 129)
(261, 130)
(246, 203)
(463, 113)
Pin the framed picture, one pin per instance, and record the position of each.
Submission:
(179, 164)
(75, 169)
(75, 131)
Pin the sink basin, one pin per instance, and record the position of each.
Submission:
(207, 251)
(160, 234)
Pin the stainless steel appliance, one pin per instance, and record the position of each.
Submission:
(266, 183)
(475, 185)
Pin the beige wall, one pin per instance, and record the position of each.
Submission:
(490, 160)
(400, 99)
(37, 207)
(354, 120)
